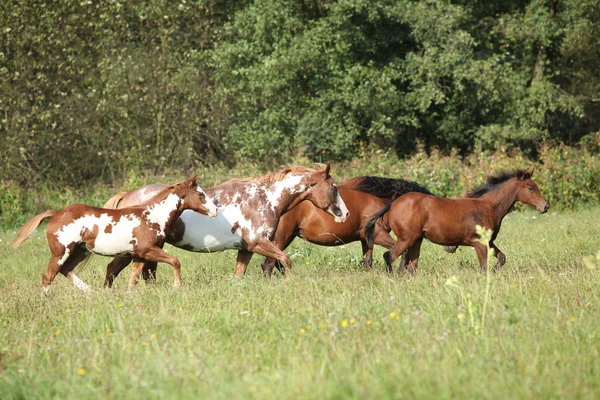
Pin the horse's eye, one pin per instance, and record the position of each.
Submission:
(530, 188)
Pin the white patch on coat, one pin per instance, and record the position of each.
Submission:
(290, 183)
(65, 256)
(159, 213)
(252, 190)
(207, 235)
(118, 241)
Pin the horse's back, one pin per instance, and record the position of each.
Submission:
(139, 195)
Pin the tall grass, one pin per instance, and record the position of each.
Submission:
(331, 331)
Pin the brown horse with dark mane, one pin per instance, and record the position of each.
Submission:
(364, 196)
(139, 231)
(452, 222)
(249, 213)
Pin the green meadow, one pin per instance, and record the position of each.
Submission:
(331, 331)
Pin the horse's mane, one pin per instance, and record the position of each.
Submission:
(280, 175)
(388, 187)
(493, 182)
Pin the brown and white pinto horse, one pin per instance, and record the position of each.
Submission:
(139, 231)
(364, 196)
(249, 212)
(452, 222)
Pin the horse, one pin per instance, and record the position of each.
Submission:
(78, 230)
(250, 210)
(452, 222)
(364, 196)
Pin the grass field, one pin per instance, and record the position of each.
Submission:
(331, 331)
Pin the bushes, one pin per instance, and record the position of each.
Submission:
(568, 178)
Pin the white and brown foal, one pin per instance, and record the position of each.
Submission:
(137, 231)
(249, 212)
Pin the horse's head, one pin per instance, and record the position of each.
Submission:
(194, 198)
(324, 195)
(529, 193)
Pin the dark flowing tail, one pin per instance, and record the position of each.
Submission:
(30, 226)
(370, 226)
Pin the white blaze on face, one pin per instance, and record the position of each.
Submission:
(342, 206)
(210, 204)
(158, 213)
(291, 184)
(119, 240)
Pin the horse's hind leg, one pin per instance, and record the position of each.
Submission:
(383, 238)
(149, 271)
(50, 273)
(499, 255)
(399, 248)
(411, 257)
(79, 254)
(113, 269)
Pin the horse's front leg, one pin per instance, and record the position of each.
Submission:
(499, 255)
(482, 252)
(243, 258)
(114, 268)
(266, 248)
(157, 254)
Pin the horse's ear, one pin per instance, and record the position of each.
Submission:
(327, 168)
(193, 179)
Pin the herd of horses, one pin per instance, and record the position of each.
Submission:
(264, 214)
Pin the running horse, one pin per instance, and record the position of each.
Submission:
(364, 196)
(452, 222)
(139, 231)
(249, 213)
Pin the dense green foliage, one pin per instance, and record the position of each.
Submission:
(333, 331)
(93, 90)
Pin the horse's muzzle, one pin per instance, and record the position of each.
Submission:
(542, 207)
(338, 214)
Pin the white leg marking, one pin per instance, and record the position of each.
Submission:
(79, 283)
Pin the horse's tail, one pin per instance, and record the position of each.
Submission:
(113, 202)
(370, 226)
(30, 226)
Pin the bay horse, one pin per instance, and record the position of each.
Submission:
(452, 222)
(138, 231)
(364, 196)
(250, 210)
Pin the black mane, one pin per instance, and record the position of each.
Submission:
(492, 182)
(388, 188)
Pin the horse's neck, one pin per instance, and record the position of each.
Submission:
(164, 208)
(502, 199)
(285, 194)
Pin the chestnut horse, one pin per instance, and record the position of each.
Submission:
(250, 210)
(452, 222)
(364, 196)
(139, 231)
